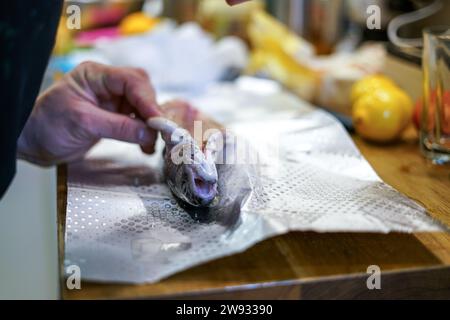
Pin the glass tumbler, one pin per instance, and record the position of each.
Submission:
(435, 116)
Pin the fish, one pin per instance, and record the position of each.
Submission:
(189, 170)
(212, 188)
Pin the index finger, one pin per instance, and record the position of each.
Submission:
(135, 87)
(132, 84)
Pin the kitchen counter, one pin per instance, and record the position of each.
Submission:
(318, 266)
(322, 266)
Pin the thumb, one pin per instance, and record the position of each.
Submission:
(120, 127)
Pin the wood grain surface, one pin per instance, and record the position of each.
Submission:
(318, 266)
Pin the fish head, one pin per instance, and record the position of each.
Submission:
(196, 180)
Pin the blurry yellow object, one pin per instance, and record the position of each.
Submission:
(137, 23)
(406, 103)
(266, 32)
(383, 114)
(64, 39)
(277, 51)
(220, 19)
(58, 75)
(369, 84)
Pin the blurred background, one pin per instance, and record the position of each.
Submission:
(318, 49)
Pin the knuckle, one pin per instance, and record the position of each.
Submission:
(142, 73)
(90, 66)
(86, 64)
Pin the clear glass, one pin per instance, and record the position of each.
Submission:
(435, 119)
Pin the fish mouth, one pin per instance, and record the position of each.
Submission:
(204, 191)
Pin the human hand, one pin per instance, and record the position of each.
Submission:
(93, 101)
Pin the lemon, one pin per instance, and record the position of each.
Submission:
(405, 102)
(368, 85)
(380, 116)
(136, 23)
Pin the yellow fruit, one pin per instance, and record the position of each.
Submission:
(137, 23)
(380, 116)
(406, 103)
(368, 85)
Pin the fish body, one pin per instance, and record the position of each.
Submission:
(190, 173)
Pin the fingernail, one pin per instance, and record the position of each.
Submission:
(144, 136)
